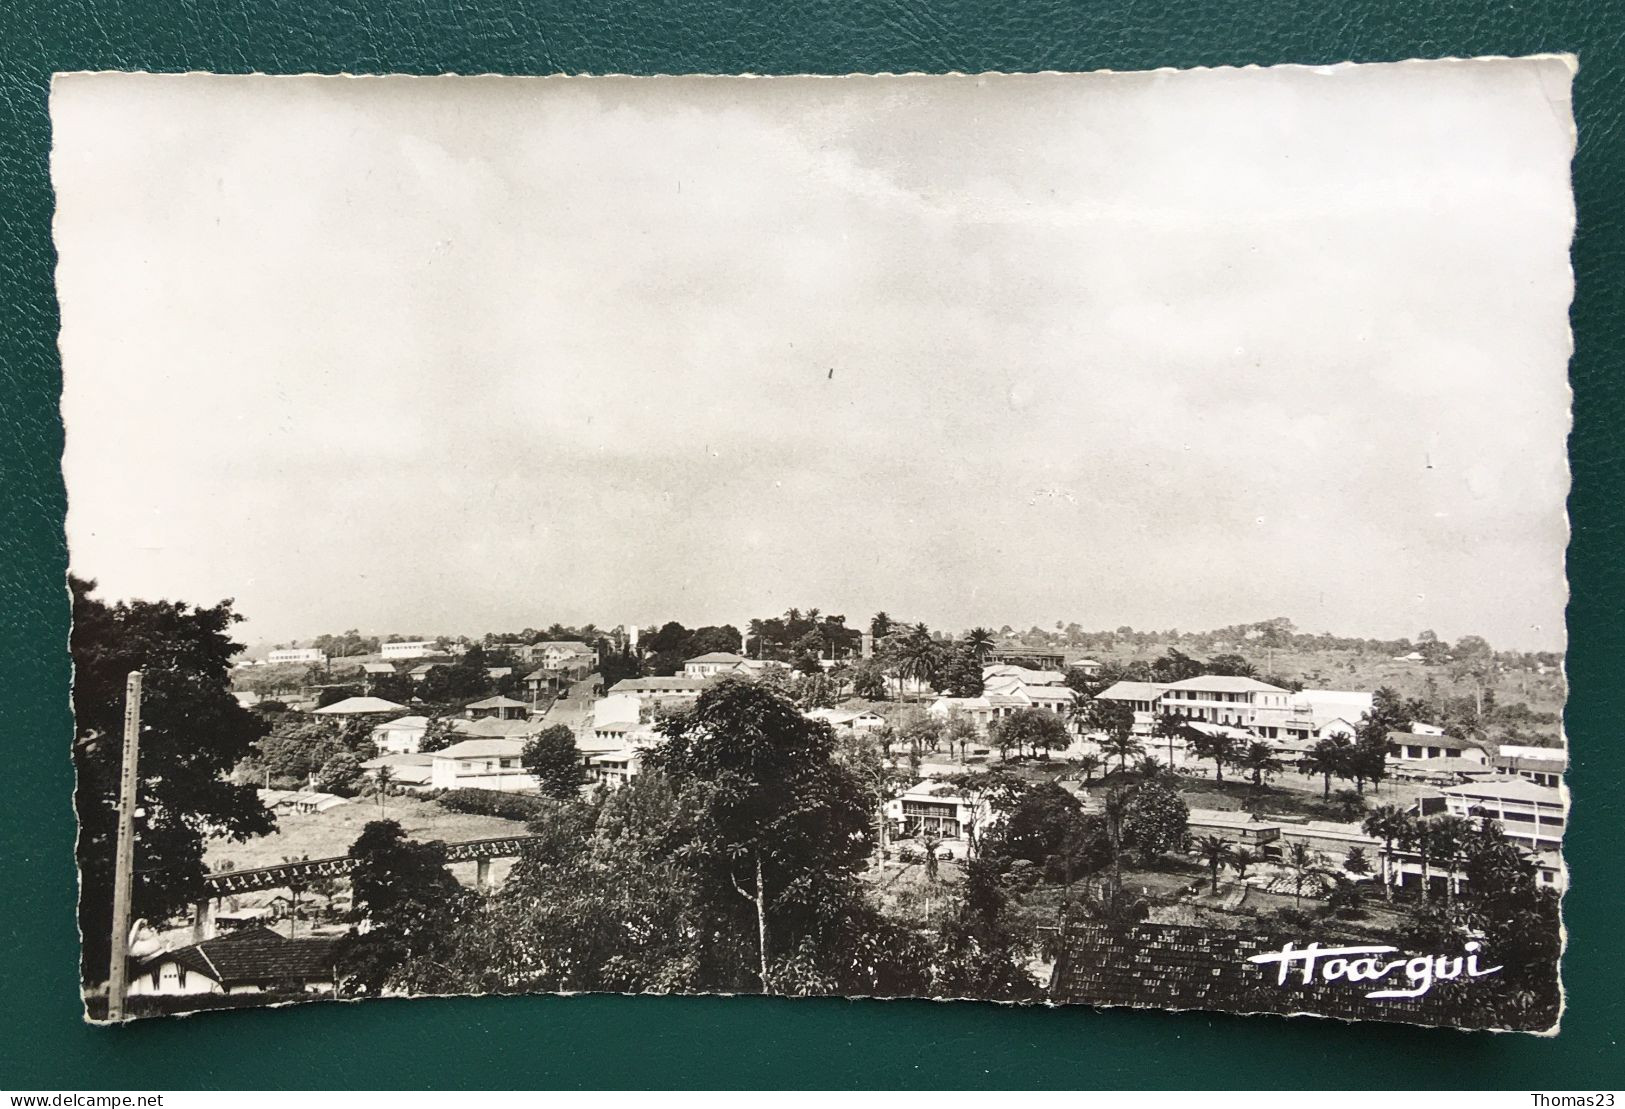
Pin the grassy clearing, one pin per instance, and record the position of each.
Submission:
(328, 834)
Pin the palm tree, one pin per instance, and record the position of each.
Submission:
(1216, 852)
(919, 658)
(1088, 762)
(880, 625)
(1451, 835)
(1122, 746)
(1419, 837)
(1115, 812)
(1388, 823)
(1305, 863)
(979, 641)
(383, 778)
(1240, 861)
(1168, 727)
(1258, 760)
(1150, 768)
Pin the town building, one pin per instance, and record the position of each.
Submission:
(1416, 747)
(677, 688)
(1141, 697)
(715, 664)
(1532, 816)
(1224, 699)
(1239, 829)
(614, 769)
(482, 764)
(1032, 659)
(936, 809)
(401, 736)
(1544, 766)
(844, 720)
(411, 772)
(302, 801)
(415, 648)
(297, 654)
(361, 706)
(249, 960)
(495, 727)
(502, 708)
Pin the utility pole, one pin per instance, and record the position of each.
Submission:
(124, 859)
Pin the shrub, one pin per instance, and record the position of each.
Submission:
(490, 802)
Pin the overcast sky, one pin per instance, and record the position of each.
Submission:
(1171, 349)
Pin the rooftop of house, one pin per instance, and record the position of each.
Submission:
(564, 645)
(360, 706)
(651, 685)
(497, 703)
(482, 748)
(1226, 818)
(1444, 765)
(396, 761)
(492, 728)
(1554, 755)
(1507, 789)
(1132, 691)
(404, 723)
(1422, 739)
(377, 668)
(1226, 683)
(718, 656)
(253, 954)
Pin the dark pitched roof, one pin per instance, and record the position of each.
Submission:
(1168, 966)
(255, 954)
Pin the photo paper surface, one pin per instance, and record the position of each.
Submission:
(1054, 538)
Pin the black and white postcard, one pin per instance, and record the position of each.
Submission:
(1053, 539)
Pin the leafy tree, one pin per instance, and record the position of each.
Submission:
(1176, 666)
(1155, 820)
(390, 687)
(1356, 862)
(869, 681)
(961, 674)
(1037, 824)
(959, 732)
(437, 735)
(193, 733)
(333, 694)
(341, 774)
(1034, 728)
(406, 896)
(1231, 666)
(553, 760)
(1216, 852)
(774, 819)
(456, 683)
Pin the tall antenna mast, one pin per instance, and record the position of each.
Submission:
(124, 859)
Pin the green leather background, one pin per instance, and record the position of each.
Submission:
(595, 1041)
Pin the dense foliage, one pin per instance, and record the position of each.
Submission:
(193, 733)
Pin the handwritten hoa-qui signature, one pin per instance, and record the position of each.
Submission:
(1366, 964)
